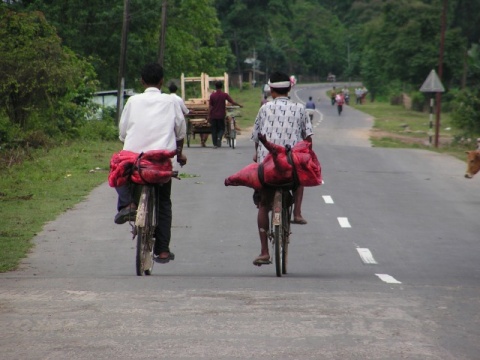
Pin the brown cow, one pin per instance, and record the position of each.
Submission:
(473, 163)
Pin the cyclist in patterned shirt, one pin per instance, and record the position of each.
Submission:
(283, 122)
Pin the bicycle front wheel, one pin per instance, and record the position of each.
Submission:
(145, 228)
(144, 256)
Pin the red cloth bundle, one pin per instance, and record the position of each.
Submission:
(155, 167)
(278, 171)
(307, 166)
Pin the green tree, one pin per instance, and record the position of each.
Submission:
(320, 38)
(37, 74)
(405, 40)
(194, 41)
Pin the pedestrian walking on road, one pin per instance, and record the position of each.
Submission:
(217, 113)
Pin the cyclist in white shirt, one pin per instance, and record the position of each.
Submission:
(152, 121)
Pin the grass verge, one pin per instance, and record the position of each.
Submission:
(39, 189)
(397, 127)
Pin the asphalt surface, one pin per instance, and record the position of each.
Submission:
(386, 268)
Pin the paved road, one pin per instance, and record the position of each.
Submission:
(387, 267)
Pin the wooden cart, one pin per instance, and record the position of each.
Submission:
(197, 118)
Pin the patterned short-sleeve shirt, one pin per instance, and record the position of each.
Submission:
(283, 122)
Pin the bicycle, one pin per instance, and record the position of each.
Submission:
(145, 222)
(279, 232)
(231, 133)
(230, 127)
(144, 230)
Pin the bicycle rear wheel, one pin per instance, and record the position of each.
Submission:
(277, 231)
(145, 228)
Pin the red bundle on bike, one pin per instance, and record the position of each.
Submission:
(155, 167)
(248, 176)
(277, 169)
(307, 166)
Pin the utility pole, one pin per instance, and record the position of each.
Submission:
(254, 82)
(122, 62)
(161, 52)
(440, 71)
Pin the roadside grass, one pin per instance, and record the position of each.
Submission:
(397, 127)
(38, 190)
(250, 99)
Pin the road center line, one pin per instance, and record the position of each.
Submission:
(388, 279)
(343, 221)
(328, 199)
(366, 256)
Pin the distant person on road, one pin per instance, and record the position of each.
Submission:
(217, 113)
(340, 100)
(173, 91)
(264, 100)
(364, 95)
(152, 121)
(333, 93)
(283, 122)
(310, 106)
(358, 95)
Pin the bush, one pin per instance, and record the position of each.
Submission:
(466, 111)
(100, 127)
(419, 100)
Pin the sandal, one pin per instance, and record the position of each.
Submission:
(262, 260)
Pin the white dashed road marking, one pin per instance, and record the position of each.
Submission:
(388, 279)
(343, 221)
(366, 256)
(328, 199)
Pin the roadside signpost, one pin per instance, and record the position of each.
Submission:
(433, 85)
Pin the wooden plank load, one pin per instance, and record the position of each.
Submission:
(197, 118)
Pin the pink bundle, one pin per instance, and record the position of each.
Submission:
(276, 169)
(154, 167)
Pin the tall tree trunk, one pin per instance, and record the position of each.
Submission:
(465, 69)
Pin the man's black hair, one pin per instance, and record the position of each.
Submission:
(278, 76)
(152, 74)
(172, 88)
(218, 85)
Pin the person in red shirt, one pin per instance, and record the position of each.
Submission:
(217, 113)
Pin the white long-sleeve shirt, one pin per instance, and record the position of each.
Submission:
(151, 121)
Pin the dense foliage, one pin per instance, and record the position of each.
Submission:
(39, 76)
(391, 45)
